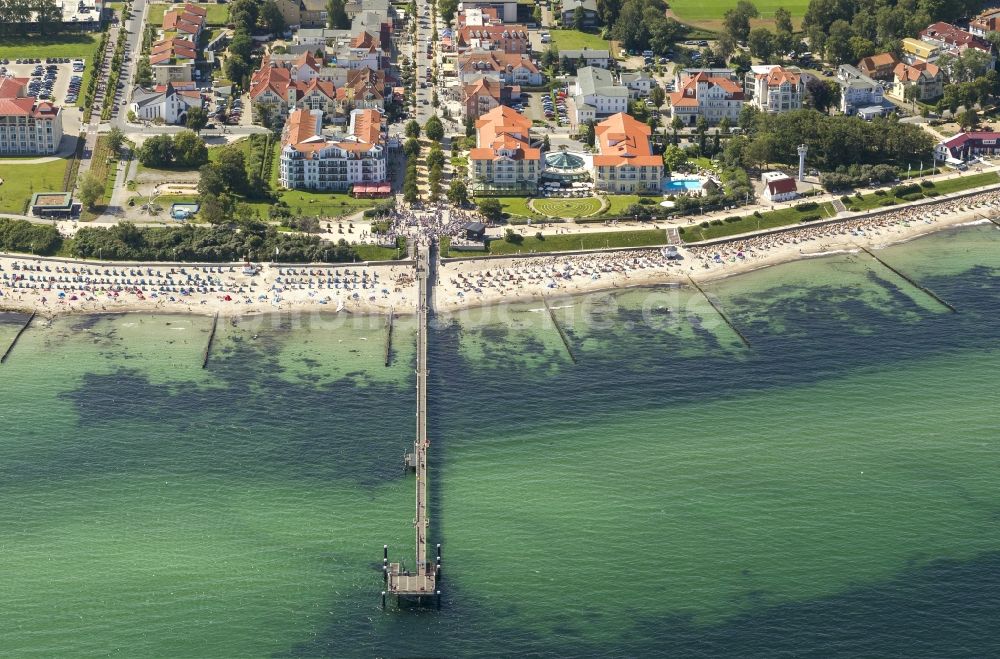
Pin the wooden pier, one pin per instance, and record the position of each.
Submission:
(562, 333)
(17, 336)
(211, 339)
(420, 582)
(931, 294)
(721, 313)
(388, 337)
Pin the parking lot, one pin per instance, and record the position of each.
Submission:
(53, 82)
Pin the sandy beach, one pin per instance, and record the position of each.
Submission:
(52, 286)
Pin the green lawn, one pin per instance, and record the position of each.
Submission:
(570, 207)
(379, 253)
(873, 201)
(63, 45)
(750, 223)
(617, 203)
(516, 207)
(217, 14)
(566, 243)
(709, 13)
(576, 40)
(324, 204)
(22, 181)
(104, 164)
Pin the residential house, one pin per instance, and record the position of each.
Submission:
(477, 16)
(186, 22)
(311, 160)
(363, 52)
(707, 96)
(878, 67)
(924, 77)
(505, 10)
(318, 95)
(587, 57)
(955, 41)
(364, 89)
(916, 50)
(312, 13)
(775, 89)
(509, 68)
(625, 162)
(317, 36)
(164, 103)
(505, 38)
(482, 95)
(173, 60)
(594, 95)
(303, 67)
(27, 126)
(965, 146)
(858, 90)
(272, 93)
(590, 15)
(639, 84)
(503, 159)
(986, 22)
(291, 11)
(778, 187)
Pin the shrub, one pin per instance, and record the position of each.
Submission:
(902, 190)
(880, 193)
(854, 209)
(703, 225)
(916, 196)
(932, 193)
(845, 199)
(681, 231)
(927, 184)
(717, 223)
(888, 202)
(806, 206)
(646, 201)
(810, 218)
(733, 218)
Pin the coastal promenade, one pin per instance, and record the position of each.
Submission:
(422, 581)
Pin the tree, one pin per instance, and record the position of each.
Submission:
(546, 143)
(189, 150)
(470, 126)
(115, 139)
(968, 120)
(589, 135)
(210, 181)
(337, 15)
(216, 209)
(783, 20)
(271, 18)
(434, 129)
(458, 193)
(838, 42)
(411, 147)
(491, 209)
(674, 157)
(822, 94)
(236, 68)
(156, 151)
(676, 124)
(550, 57)
(91, 189)
(435, 158)
(657, 96)
(761, 43)
(412, 128)
(579, 15)
(446, 9)
(196, 119)
(737, 19)
(232, 168)
(241, 45)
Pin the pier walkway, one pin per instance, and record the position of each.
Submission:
(420, 582)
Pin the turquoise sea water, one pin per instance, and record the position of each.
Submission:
(830, 491)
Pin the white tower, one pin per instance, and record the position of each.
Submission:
(803, 149)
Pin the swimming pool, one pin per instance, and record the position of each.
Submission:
(682, 185)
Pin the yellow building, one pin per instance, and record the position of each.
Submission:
(920, 50)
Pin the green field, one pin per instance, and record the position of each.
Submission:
(63, 45)
(872, 201)
(22, 181)
(217, 14)
(708, 14)
(570, 242)
(770, 220)
(576, 40)
(572, 207)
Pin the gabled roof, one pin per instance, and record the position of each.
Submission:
(976, 136)
(687, 95)
(914, 72)
(781, 185)
(877, 61)
(503, 129)
(482, 87)
(494, 60)
(272, 78)
(954, 36)
(12, 87)
(778, 76)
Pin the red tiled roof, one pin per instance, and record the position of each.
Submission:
(781, 186)
(622, 139)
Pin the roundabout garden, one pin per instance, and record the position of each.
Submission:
(568, 207)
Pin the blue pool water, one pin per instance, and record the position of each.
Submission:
(681, 185)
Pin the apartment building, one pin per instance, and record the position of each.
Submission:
(311, 160)
(625, 162)
(711, 97)
(503, 159)
(775, 89)
(27, 126)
